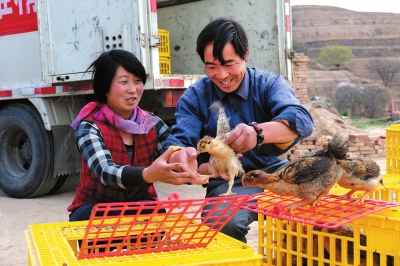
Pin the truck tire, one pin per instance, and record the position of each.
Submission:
(65, 183)
(26, 154)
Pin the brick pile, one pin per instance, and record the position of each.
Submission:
(372, 147)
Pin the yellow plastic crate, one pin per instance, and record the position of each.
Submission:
(370, 240)
(165, 65)
(57, 244)
(393, 149)
(164, 48)
(390, 191)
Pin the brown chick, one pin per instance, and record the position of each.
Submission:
(308, 178)
(223, 158)
(359, 173)
(223, 161)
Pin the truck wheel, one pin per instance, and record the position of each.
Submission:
(65, 183)
(26, 154)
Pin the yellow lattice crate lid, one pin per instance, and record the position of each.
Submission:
(164, 48)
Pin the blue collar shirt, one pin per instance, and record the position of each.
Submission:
(261, 97)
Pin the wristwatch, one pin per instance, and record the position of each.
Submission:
(260, 136)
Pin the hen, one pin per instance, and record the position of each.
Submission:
(308, 178)
(223, 158)
(359, 173)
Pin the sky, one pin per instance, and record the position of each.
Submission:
(388, 6)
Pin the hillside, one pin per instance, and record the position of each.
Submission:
(369, 35)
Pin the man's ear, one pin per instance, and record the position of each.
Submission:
(246, 56)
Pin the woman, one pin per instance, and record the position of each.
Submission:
(120, 143)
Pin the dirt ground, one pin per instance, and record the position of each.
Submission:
(16, 215)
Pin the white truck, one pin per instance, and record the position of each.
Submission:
(47, 45)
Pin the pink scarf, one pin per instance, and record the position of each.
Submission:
(141, 122)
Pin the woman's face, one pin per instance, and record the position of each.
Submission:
(125, 93)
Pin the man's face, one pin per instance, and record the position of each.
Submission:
(229, 76)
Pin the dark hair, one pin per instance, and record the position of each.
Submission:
(221, 31)
(105, 66)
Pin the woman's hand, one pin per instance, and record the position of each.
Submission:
(174, 167)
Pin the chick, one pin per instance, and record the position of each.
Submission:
(359, 173)
(223, 161)
(223, 158)
(308, 178)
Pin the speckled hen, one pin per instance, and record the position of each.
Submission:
(308, 178)
(359, 173)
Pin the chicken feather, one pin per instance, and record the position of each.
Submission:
(223, 127)
(308, 178)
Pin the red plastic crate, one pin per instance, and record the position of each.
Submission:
(116, 229)
(332, 212)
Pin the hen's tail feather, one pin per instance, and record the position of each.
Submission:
(338, 147)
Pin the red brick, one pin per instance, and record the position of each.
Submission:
(293, 156)
(355, 144)
(358, 137)
(370, 143)
(367, 152)
(300, 151)
(366, 148)
(352, 149)
(382, 142)
(374, 138)
(313, 138)
(307, 147)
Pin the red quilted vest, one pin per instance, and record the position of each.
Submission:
(90, 189)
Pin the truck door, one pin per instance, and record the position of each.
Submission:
(74, 33)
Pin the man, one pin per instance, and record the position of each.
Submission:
(248, 95)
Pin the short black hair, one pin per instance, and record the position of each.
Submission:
(105, 66)
(221, 31)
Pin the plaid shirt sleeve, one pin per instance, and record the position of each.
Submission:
(163, 132)
(99, 160)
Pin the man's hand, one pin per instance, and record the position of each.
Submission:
(242, 138)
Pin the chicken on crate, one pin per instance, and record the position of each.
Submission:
(359, 173)
(308, 177)
(224, 160)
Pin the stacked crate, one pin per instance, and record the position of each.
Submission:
(373, 239)
(164, 52)
(370, 240)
